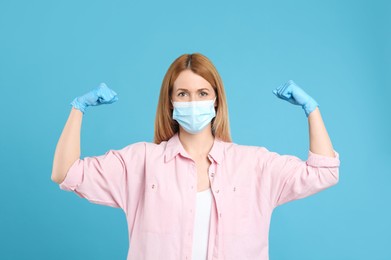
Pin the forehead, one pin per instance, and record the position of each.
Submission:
(187, 79)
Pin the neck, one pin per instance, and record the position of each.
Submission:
(197, 145)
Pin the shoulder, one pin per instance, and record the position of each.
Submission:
(235, 148)
(144, 145)
(242, 147)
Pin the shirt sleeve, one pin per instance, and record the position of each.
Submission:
(106, 179)
(287, 177)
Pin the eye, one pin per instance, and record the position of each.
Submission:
(180, 94)
(203, 92)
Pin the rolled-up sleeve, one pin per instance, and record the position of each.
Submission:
(287, 177)
(106, 179)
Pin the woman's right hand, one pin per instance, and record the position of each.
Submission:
(97, 96)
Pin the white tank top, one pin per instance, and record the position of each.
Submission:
(201, 225)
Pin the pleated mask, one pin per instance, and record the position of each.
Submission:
(194, 116)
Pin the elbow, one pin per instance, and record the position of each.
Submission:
(327, 177)
(59, 173)
(56, 178)
(334, 176)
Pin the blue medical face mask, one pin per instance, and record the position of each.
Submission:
(195, 115)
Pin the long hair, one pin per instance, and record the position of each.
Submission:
(165, 126)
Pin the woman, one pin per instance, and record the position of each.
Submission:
(192, 193)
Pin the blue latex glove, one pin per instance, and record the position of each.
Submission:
(295, 95)
(98, 96)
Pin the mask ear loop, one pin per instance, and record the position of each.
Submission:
(213, 126)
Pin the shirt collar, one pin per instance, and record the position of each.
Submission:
(174, 146)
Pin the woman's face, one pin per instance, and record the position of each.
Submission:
(191, 87)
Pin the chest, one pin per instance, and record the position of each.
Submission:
(202, 167)
(170, 194)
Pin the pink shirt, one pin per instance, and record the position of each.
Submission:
(156, 186)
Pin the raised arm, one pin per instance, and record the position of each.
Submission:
(287, 177)
(320, 142)
(68, 146)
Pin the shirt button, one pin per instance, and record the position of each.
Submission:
(220, 215)
(217, 191)
(192, 187)
(191, 211)
(212, 175)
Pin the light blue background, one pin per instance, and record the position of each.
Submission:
(337, 51)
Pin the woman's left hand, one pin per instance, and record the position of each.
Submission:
(295, 95)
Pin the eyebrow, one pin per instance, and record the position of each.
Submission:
(179, 89)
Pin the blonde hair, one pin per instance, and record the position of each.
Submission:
(165, 126)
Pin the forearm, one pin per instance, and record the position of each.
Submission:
(320, 142)
(68, 146)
